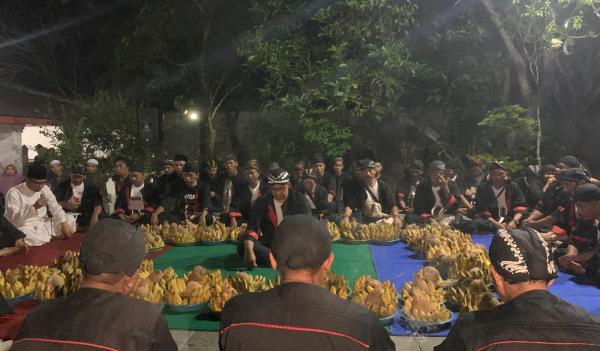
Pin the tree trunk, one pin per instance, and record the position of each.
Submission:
(513, 53)
(212, 134)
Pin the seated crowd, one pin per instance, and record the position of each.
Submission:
(546, 217)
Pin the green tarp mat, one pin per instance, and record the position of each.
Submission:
(351, 261)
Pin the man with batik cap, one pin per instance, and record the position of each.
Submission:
(266, 215)
(300, 314)
(554, 196)
(406, 191)
(136, 203)
(342, 180)
(230, 185)
(77, 195)
(173, 183)
(28, 205)
(582, 255)
(324, 178)
(531, 318)
(190, 203)
(315, 194)
(562, 221)
(252, 190)
(100, 315)
(371, 197)
(499, 202)
(435, 196)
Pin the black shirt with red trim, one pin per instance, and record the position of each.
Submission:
(486, 201)
(533, 321)
(424, 200)
(299, 316)
(95, 320)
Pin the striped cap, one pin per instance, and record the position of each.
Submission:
(279, 176)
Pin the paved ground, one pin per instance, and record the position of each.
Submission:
(207, 341)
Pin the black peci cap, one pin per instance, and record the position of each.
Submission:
(301, 242)
(36, 171)
(587, 193)
(189, 168)
(573, 175)
(112, 246)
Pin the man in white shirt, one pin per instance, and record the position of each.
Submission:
(27, 207)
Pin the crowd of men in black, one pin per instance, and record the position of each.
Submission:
(470, 197)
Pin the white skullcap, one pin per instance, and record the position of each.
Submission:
(92, 161)
(55, 162)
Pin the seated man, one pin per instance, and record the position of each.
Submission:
(229, 185)
(100, 315)
(559, 223)
(27, 207)
(436, 196)
(266, 215)
(499, 202)
(171, 183)
(210, 176)
(405, 192)
(136, 202)
(324, 178)
(582, 256)
(93, 175)
(191, 203)
(315, 193)
(554, 196)
(77, 195)
(531, 318)
(373, 198)
(299, 314)
(252, 190)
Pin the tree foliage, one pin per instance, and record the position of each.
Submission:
(336, 67)
(102, 127)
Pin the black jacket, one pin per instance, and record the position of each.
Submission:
(299, 316)
(89, 200)
(263, 216)
(93, 319)
(169, 185)
(150, 194)
(178, 204)
(533, 321)
(424, 200)
(486, 205)
(328, 182)
(533, 190)
(245, 198)
(319, 199)
(9, 234)
(356, 195)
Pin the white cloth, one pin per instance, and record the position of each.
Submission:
(36, 225)
(110, 197)
(78, 190)
(375, 191)
(501, 201)
(136, 199)
(311, 202)
(255, 193)
(436, 194)
(278, 211)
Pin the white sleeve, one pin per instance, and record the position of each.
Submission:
(55, 208)
(15, 210)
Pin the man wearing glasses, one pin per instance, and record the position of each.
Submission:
(27, 207)
(266, 214)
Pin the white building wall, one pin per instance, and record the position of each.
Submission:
(10, 145)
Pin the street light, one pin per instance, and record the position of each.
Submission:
(193, 116)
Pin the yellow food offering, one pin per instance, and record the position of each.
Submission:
(380, 298)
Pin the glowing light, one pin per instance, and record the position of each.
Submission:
(193, 116)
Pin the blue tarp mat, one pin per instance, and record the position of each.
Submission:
(398, 264)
